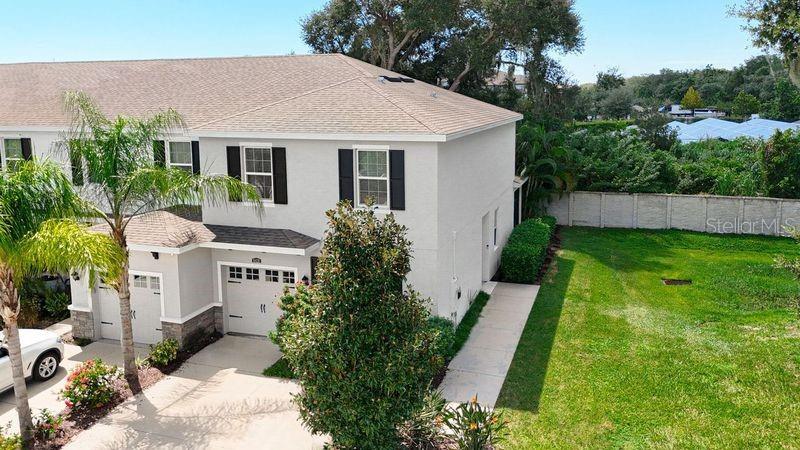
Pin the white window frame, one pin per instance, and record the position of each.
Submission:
(168, 156)
(358, 177)
(3, 149)
(259, 145)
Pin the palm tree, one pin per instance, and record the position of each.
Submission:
(126, 182)
(37, 235)
(543, 160)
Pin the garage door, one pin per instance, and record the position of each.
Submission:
(145, 310)
(252, 298)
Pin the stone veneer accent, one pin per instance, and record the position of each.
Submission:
(204, 323)
(82, 324)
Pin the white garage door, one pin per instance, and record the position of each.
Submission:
(252, 298)
(145, 310)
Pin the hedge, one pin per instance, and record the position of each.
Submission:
(526, 250)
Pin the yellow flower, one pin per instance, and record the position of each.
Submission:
(473, 426)
(474, 399)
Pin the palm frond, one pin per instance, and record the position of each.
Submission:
(156, 188)
(65, 245)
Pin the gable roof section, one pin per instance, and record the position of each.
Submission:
(306, 94)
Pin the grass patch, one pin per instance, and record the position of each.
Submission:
(280, 369)
(469, 320)
(613, 358)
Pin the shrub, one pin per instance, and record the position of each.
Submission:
(9, 441)
(425, 430)
(475, 427)
(360, 346)
(90, 385)
(46, 426)
(446, 336)
(526, 250)
(56, 304)
(163, 353)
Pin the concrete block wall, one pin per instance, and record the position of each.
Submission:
(704, 213)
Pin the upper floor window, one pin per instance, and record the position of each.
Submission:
(180, 155)
(13, 152)
(373, 177)
(258, 169)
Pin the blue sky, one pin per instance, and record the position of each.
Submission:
(638, 36)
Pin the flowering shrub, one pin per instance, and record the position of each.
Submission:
(9, 441)
(475, 427)
(90, 385)
(163, 352)
(46, 425)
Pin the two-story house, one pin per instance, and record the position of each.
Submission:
(307, 131)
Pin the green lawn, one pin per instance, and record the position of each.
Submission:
(613, 358)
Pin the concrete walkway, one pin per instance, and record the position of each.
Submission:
(218, 399)
(481, 366)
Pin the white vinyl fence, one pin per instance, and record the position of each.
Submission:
(706, 213)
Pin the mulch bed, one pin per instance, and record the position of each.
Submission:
(76, 421)
(552, 249)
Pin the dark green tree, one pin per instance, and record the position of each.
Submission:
(745, 104)
(616, 104)
(781, 162)
(359, 345)
(610, 79)
(451, 42)
(775, 24)
(785, 104)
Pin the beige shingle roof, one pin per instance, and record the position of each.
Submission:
(283, 94)
(182, 226)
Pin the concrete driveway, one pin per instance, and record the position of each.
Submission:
(45, 395)
(217, 399)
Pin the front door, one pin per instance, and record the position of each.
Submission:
(252, 298)
(486, 240)
(146, 308)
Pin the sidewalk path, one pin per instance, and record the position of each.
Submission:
(482, 364)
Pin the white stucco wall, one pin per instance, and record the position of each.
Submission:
(449, 187)
(196, 281)
(475, 177)
(313, 187)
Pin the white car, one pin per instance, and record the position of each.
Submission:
(42, 351)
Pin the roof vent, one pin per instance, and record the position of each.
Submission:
(383, 78)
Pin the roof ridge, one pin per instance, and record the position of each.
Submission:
(397, 106)
(277, 102)
(198, 58)
(346, 60)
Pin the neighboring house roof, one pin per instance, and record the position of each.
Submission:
(723, 129)
(304, 94)
(500, 78)
(183, 226)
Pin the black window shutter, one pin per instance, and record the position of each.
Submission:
(234, 166)
(346, 185)
(196, 157)
(159, 154)
(279, 175)
(397, 180)
(27, 149)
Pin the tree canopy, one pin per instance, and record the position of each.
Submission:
(691, 99)
(450, 42)
(775, 24)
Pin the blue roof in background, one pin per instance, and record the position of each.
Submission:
(722, 129)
